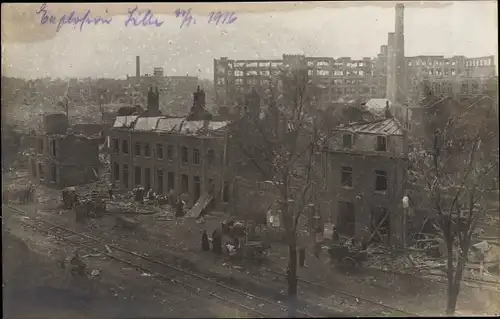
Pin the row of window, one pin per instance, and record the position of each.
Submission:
(380, 146)
(145, 150)
(380, 178)
(145, 180)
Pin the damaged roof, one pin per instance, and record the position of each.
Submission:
(166, 125)
(382, 127)
(125, 121)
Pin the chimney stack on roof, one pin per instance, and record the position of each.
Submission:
(388, 114)
(153, 103)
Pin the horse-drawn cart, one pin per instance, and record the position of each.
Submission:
(347, 257)
(252, 250)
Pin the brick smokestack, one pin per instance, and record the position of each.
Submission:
(391, 69)
(137, 66)
(400, 65)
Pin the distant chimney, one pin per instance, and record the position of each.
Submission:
(137, 66)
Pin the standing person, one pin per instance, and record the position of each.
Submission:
(110, 192)
(302, 257)
(216, 243)
(319, 241)
(335, 236)
(205, 245)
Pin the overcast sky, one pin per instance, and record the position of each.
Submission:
(463, 28)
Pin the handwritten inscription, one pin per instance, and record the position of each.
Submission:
(186, 17)
(72, 18)
(136, 18)
(221, 18)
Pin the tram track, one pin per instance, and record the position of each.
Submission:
(193, 282)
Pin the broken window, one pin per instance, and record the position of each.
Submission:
(159, 151)
(346, 219)
(125, 175)
(185, 154)
(465, 88)
(380, 225)
(225, 193)
(33, 168)
(54, 174)
(197, 187)
(346, 176)
(125, 147)
(53, 147)
(147, 150)
(184, 183)
(137, 149)
(159, 181)
(42, 173)
(196, 156)
(381, 144)
(116, 171)
(40, 146)
(116, 146)
(137, 176)
(347, 141)
(170, 152)
(170, 181)
(381, 180)
(147, 178)
(210, 156)
(475, 87)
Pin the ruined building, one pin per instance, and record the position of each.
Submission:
(173, 154)
(365, 169)
(390, 74)
(63, 158)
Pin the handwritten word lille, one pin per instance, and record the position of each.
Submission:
(71, 18)
(213, 17)
(136, 18)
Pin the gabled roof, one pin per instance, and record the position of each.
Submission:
(382, 127)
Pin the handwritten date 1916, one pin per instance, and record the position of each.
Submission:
(221, 18)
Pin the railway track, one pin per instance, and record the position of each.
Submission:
(380, 309)
(192, 282)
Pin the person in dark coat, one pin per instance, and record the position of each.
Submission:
(205, 245)
(216, 242)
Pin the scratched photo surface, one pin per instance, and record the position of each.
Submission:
(274, 159)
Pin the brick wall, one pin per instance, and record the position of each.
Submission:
(362, 193)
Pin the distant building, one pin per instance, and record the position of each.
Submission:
(62, 158)
(336, 78)
(174, 91)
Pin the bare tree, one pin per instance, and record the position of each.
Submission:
(283, 149)
(458, 168)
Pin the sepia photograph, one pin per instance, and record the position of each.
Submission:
(250, 159)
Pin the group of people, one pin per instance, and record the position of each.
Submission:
(216, 242)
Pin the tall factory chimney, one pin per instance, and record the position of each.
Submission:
(400, 64)
(137, 66)
(391, 69)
